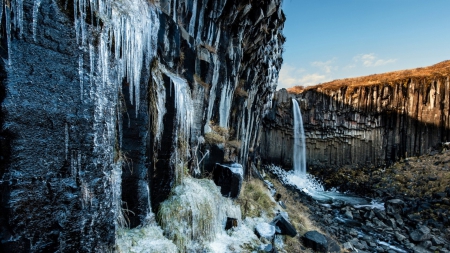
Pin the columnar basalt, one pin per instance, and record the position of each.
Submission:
(107, 104)
(366, 125)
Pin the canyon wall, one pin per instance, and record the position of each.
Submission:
(106, 105)
(361, 126)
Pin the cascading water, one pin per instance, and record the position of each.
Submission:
(299, 142)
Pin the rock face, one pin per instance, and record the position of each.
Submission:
(229, 177)
(101, 110)
(370, 125)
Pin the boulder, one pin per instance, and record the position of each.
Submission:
(229, 177)
(421, 234)
(284, 227)
(231, 222)
(394, 206)
(265, 230)
(315, 241)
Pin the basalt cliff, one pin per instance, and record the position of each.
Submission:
(369, 121)
(106, 105)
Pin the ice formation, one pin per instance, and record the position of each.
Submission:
(149, 239)
(195, 214)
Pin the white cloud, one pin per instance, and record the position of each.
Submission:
(326, 66)
(370, 60)
(291, 76)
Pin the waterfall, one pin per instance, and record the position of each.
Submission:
(299, 142)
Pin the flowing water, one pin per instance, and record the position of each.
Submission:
(307, 183)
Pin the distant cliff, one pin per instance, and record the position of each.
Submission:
(105, 105)
(367, 121)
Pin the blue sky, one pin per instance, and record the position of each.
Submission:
(334, 39)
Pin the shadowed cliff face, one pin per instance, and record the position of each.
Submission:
(99, 143)
(362, 126)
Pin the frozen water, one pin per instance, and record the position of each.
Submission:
(195, 214)
(81, 75)
(148, 239)
(265, 230)
(37, 4)
(236, 168)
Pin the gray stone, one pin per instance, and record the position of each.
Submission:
(399, 237)
(421, 234)
(315, 241)
(394, 206)
(348, 246)
(437, 241)
(348, 214)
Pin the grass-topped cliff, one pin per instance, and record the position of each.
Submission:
(438, 70)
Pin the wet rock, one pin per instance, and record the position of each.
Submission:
(391, 223)
(348, 214)
(420, 234)
(394, 206)
(284, 227)
(348, 246)
(353, 232)
(437, 241)
(229, 177)
(399, 237)
(315, 241)
(426, 244)
(333, 246)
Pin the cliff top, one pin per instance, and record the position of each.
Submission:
(436, 70)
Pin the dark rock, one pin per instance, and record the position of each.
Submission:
(437, 241)
(391, 223)
(421, 234)
(394, 206)
(229, 177)
(333, 246)
(231, 223)
(399, 237)
(315, 241)
(284, 226)
(426, 244)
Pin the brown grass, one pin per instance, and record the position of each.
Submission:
(438, 70)
(234, 144)
(214, 138)
(254, 200)
(210, 48)
(199, 80)
(240, 92)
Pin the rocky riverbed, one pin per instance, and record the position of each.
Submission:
(395, 223)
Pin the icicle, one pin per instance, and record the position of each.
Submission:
(193, 18)
(91, 65)
(148, 198)
(37, 4)
(66, 139)
(1, 12)
(18, 16)
(80, 73)
(8, 33)
(76, 20)
(225, 104)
